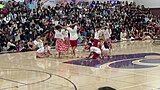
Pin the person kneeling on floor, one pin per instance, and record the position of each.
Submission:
(44, 51)
(95, 52)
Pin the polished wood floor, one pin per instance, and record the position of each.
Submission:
(138, 68)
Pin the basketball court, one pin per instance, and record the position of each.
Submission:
(133, 66)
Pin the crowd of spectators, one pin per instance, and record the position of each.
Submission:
(20, 25)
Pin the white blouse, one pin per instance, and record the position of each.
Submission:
(73, 33)
(59, 35)
(65, 33)
(95, 49)
(39, 43)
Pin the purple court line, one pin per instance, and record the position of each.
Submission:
(95, 63)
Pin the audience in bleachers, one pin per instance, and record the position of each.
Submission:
(21, 25)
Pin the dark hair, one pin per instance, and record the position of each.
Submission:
(90, 44)
(45, 44)
(106, 88)
(98, 26)
(106, 44)
(58, 27)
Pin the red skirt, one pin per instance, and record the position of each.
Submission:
(95, 43)
(95, 56)
(73, 43)
(61, 46)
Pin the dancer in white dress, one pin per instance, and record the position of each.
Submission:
(72, 29)
(95, 52)
(61, 46)
(42, 50)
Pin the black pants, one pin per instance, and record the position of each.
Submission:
(11, 48)
(1, 48)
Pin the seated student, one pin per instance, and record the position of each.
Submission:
(44, 51)
(147, 36)
(11, 45)
(30, 45)
(123, 36)
(95, 52)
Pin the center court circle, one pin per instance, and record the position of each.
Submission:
(16, 78)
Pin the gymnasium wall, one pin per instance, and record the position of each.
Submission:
(154, 5)
(107, 0)
(148, 3)
(127, 0)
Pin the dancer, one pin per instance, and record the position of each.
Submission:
(42, 50)
(95, 52)
(66, 38)
(104, 46)
(38, 43)
(96, 36)
(100, 33)
(61, 47)
(73, 36)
